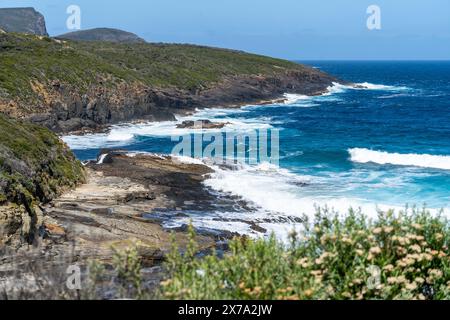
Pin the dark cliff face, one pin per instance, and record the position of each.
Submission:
(22, 20)
(95, 110)
(102, 34)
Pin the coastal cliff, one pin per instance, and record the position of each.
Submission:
(22, 20)
(35, 167)
(75, 85)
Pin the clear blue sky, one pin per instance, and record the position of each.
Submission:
(292, 29)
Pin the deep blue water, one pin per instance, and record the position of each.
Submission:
(405, 110)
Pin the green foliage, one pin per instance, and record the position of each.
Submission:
(25, 59)
(397, 256)
(127, 265)
(34, 163)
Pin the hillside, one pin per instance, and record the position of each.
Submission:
(67, 85)
(35, 167)
(22, 20)
(102, 34)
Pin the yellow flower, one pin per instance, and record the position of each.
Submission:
(411, 286)
(377, 230)
(166, 283)
(308, 293)
(439, 236)
(316, 272)
(375, 250)
(416, 248)
(419, 280)
(347, 240)
(403, 240)
(302, 262)
(346, 295)
(417, 226)
(427, 256)
(435, 273)
(394, 280)
(388, 229)
(389, 267)
(401, 263)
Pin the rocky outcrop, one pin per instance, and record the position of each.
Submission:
(22, 20)
(70, 112)
(35, 167)
(120, 204)
(201, 124)
(102, 34)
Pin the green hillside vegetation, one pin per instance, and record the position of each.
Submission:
(35, 165)
(400, 255)
(102, 34)
(25, 59)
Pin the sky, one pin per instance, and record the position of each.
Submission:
(290, 29)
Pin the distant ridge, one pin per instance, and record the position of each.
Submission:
(103, 34)
(22, 20)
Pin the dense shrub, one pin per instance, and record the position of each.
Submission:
(396, 256)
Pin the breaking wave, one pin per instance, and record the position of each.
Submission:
(362, 155)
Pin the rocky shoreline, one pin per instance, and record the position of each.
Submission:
(117, 208)
(100, 108)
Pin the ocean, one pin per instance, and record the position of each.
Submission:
(386, 146)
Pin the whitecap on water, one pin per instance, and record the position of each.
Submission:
(363, 155)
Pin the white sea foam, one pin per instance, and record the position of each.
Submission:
(362, 155)
(335, 89)
(187, 160)
(371, 86)
(119, 136)
(277, 190)
(339, 88)
(102, 158)
(123, 134)
(291, 98)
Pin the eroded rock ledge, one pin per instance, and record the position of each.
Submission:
(108, 211)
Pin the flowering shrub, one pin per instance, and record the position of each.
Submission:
(400, 255)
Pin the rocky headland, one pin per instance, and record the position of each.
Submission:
(86, 85)
(102, 34)
(22, 20)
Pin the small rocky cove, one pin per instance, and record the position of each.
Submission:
(113, 210)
